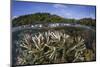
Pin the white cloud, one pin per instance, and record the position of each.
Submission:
(59, 6)
(15, 17)
(62, 10)
(63, 13)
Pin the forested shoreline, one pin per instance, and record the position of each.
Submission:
(50, 18)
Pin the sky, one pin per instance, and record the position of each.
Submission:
(64, 10)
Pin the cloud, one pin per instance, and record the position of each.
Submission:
(62, 10)
(63, 13)
(92, 15)
(59, 6)
(15, 17)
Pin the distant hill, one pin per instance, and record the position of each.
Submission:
(88, 22)
(47, 17)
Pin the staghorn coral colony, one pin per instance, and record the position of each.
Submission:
(51, 46)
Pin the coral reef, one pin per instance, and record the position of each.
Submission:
(51, 46)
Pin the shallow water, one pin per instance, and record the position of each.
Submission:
(87, 33)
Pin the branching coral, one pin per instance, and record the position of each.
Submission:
(51, 47)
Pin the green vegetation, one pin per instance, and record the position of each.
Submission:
(88, 22)
(47, 17)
